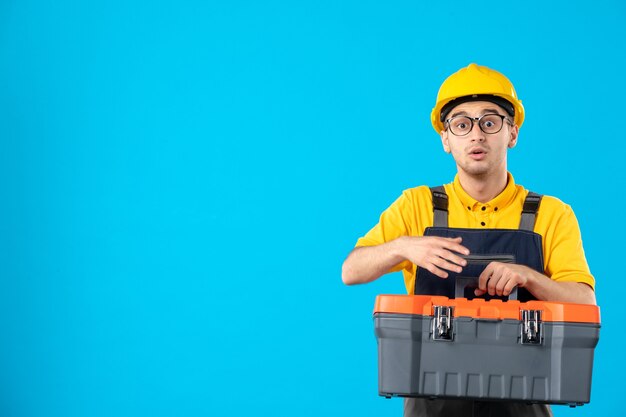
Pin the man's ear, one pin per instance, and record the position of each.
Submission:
(513, 138)
(444, 141)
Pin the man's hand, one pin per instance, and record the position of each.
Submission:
(500, 278)
(435, 254)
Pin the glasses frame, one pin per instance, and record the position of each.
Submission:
(478, 119)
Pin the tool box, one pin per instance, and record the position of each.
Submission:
(437, 347)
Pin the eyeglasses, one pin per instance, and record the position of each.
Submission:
(488, 123)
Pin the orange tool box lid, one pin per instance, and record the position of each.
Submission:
(483, 309)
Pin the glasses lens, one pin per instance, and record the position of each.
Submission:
(460, 125)
(491, 123)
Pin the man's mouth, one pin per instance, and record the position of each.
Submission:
(477, 153)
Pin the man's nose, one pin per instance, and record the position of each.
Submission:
(476, 133)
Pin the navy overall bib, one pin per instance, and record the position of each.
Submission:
(520, 246)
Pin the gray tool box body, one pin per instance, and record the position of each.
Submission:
(481, 354)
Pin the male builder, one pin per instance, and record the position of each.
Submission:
(483, 214)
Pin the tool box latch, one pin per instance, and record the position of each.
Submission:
(531, 327)
(442, 322)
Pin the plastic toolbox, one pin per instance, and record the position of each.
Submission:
(535, 351)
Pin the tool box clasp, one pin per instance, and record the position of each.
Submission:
(531, 327)
(442, 322)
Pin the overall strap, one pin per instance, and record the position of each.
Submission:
(529, 212)
(440, 206)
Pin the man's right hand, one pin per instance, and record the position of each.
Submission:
(435, 254)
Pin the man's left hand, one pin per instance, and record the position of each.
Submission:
(500, 278)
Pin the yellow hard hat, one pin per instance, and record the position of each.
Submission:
(476, 83)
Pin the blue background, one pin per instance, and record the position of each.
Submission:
(181, 180)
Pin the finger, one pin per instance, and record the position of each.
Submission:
(502, 283)
(436, 271)
(494, 279)
(509, 287)
(484, 277)
(478, 292)
(453, 244)
(444, 264)
(457, 247)
(494, 275)
(451, 257)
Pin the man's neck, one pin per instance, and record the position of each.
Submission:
(483, 188)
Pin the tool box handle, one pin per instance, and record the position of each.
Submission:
(463, 283)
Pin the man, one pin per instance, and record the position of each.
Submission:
(478, 116)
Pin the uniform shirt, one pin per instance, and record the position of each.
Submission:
(412, 212)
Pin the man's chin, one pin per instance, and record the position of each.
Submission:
(476, 170)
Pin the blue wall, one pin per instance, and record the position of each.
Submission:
(181, 180)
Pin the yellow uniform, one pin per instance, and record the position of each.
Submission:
(412, 212)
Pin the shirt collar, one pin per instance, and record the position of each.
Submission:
(501, 200)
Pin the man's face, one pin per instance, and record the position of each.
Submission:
(478, 153)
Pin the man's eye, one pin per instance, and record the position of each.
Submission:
(488, 123)
(461, 125)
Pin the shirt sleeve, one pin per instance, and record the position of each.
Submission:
(566, 260)
(394, 222)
